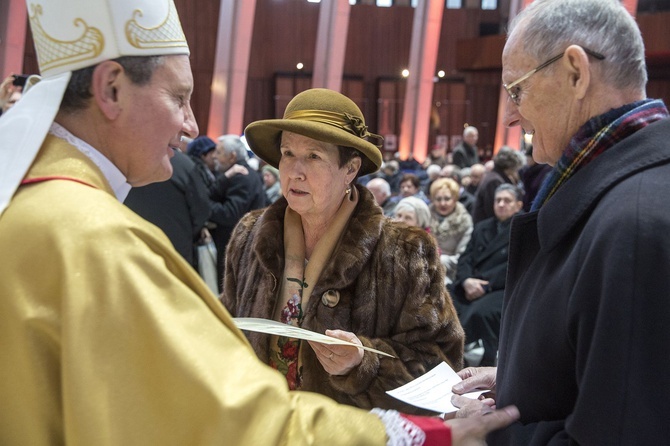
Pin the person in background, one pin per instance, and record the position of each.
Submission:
(410, 186)
(506, 170)
(413, 212)
(10, 92)
(582, 349)
(477, 172)
(119, 341)
(325, 258)
(451, 224)
(465, 153)
(390, 171)
(454, 172)
(201, 151)
(232, 195)
(271, 182)
(480, 278)
(179, 206)
(432, 174)
(382, 192)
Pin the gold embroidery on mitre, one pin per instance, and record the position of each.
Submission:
(52, 53)
(167, 34)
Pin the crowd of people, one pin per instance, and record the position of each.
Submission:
(552, 270)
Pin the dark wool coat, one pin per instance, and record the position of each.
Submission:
(389, 288)
(179, 206)
(584, 346)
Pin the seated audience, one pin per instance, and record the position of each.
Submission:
(381, 190)
(480, 278)
(506, 165)
(451, 223)
(413, 212)
(410, 186)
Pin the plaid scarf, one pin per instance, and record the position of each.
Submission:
(596, 136)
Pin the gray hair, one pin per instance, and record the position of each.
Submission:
(139, 70)
(507, 158)
(233, 143)
(470, 129)
(514, 190)
(604, 26)
(418, 206)
(381, 184)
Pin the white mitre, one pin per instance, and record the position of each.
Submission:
(70, 35)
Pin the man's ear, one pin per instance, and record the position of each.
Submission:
(105, 84)
(579, 73)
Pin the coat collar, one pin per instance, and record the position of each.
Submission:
(577, 197)
(356, 246)
(58, 158)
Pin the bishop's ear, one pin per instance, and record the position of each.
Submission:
(106, 81)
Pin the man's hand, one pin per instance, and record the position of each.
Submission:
(475, 378)
(472, 431)
(236, 169)
(474, 288)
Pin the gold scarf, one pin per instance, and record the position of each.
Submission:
(298, 281)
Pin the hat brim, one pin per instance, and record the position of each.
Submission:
(263, 138)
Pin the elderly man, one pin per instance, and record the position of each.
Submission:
(477, 172)
(583, 346)
(233, 195)
(465, 153)
(480, 276)
(382, 192)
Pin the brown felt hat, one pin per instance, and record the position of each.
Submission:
(321, 114)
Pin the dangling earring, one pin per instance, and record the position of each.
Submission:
(348, 191)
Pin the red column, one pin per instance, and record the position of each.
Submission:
(414, 129)
(13, 21)
(331, 44)
(231, 66)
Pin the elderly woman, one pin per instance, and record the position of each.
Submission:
(271, 182)
(414, 212)
(324, 257)
(451, 223)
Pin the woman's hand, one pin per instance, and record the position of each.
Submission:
(338, 359)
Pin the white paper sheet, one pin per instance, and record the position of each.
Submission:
(432, 390)
(277, 328)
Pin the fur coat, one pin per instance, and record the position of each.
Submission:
(384, 283)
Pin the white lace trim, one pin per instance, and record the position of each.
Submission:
(116, 179)
(400, 431)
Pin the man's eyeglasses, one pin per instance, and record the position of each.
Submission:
(514, 96)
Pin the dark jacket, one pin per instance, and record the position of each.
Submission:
(485, 256)
(464, 155)
(231, 199)
(584, 340)
(179, 206)
(390, 292)
(532, 178)
(486, 193)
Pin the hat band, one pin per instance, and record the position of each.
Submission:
(344, 121)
